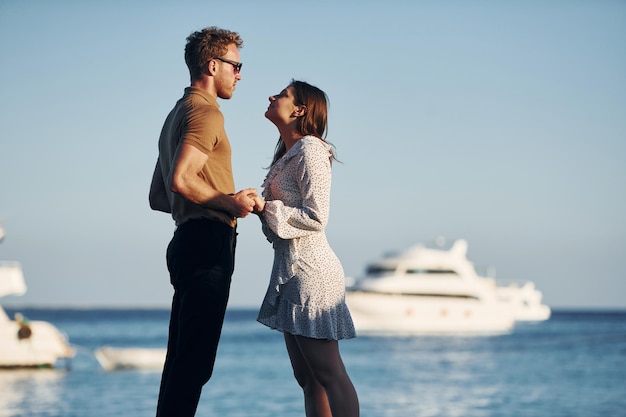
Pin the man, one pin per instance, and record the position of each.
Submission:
(193, 181)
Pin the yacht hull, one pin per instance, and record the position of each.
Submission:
(416, 314)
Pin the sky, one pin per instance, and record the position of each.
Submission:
(499, 122)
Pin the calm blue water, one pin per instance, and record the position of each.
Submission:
(572, 365)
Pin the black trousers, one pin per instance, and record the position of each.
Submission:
(200, 258)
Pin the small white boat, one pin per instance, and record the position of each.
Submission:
(114, 358)
(24, 343)
(434, 291)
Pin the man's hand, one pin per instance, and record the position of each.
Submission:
(243, 202)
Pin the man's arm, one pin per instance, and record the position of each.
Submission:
(185, 181)
(158, 195)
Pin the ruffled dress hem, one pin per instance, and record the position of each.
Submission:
(335, 324)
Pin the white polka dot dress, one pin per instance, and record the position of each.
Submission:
(306, 294)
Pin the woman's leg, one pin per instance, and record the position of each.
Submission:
(315, 400)
(325, 364)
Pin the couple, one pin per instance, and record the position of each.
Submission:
(193, 181)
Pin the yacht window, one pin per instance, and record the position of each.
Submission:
(380, 270)
(431, 271)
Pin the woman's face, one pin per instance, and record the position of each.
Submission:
(282, 107)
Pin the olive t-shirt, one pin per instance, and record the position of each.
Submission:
(197, 120)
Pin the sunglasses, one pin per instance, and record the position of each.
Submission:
(235, 64)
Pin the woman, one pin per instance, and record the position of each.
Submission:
(306, 296)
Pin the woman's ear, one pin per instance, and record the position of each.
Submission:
(300, 111)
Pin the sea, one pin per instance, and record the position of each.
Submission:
(572, 365)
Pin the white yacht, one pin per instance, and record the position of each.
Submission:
(432, 291)
(24, 343)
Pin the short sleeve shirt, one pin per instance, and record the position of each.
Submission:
(197, 120)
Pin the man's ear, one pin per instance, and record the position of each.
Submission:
(211, 67)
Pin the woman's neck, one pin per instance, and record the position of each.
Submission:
(290, 137)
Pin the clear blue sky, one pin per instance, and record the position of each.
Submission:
(501, 122)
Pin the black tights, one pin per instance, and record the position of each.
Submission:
(319, 370)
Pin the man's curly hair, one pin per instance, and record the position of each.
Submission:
(202, 45)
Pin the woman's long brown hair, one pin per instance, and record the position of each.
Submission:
(315, 120)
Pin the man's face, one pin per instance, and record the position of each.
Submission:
(227, 73)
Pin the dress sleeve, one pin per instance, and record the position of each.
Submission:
(313, 175)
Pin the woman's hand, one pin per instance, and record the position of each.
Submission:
(259, 204)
